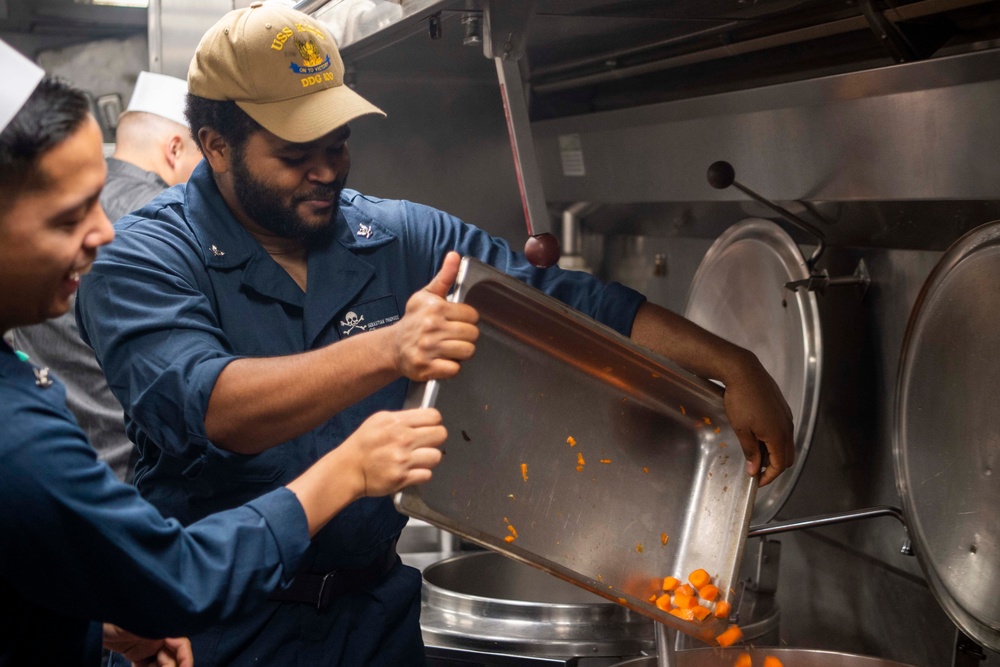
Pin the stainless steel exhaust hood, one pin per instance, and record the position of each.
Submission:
(591, 55)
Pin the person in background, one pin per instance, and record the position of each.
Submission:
(249, 321)
(153, 150)
(80, 547)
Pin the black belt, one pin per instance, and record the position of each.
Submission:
(321, 589)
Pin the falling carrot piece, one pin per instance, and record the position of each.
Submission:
(730, 636)
(508, 539)
(638, 548)
(622, 600)
(722, 609)
(718, 429)
(708, 592)
(708, 422)
(700, 613)
(513, 531)
(743, 660)
(685, 601)
(771, 661)
(663, 538)
(670, 583)
(524, 471)
(572, 441)
(645, 470)
(605, 460)
(685, 589)
(699, 578)
(663, 602)
(652, 598)
(683, 411)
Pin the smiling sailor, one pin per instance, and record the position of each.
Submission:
(79, 547)
(251, 319)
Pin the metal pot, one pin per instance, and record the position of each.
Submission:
(484, 601)
(793, 657)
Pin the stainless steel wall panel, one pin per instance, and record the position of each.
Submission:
(176, 27)
(920, 131)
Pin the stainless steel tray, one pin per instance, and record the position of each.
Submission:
(660, 459)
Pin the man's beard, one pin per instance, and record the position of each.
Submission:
(264, 206)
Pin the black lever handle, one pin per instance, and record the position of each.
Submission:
(721, 175)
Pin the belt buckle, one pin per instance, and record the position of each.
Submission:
(322, 599)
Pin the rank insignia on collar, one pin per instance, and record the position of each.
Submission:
(42, 378)
(217, 252)
(364, 230)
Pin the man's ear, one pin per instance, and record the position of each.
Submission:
(174, 148)
(216, 150)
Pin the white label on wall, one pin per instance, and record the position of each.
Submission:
(571, 152)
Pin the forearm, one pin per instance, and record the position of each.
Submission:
(694, 349)
(320, 499)
(258, 403)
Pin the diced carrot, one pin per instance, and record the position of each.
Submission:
(513, 531)
(771, 661)
(699, 578)
(685, 614)
(605, 460)
(622, 600)
(700, 613)
(524, 471)
(685, 589)
(743, 660)
(717, 429)
(685, 601)
(670, 583)
(652, 598)
(638, 548)
(572, 441)
(683, 411)
(508, 539)
(579, 468)
(709, 592)
(730, 636)
(645, 470)
(707, 421)
(722, 609)
(579, 459)
(663, 602)
(663, 538)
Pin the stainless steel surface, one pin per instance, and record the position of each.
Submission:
(181, 24)
(844, 138)
(665, 654)
(486, 602)
(947, 442)
(790, 657)
(739, 294)
(544, 373)
(728, 49)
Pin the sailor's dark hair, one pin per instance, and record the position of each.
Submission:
(53, 112)
(223, 116)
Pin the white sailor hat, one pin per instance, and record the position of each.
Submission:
(161, 95)
(22, 77)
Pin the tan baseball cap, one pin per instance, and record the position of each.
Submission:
(281, 67)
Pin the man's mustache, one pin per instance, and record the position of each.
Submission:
(331, 191)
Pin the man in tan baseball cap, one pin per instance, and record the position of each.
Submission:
(282, 68)
(251, 320)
